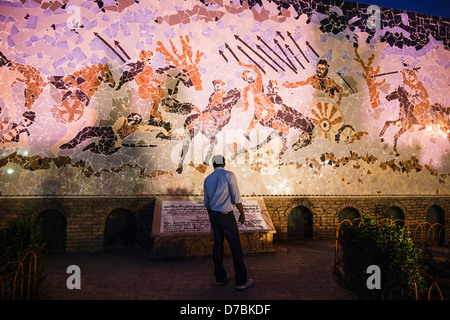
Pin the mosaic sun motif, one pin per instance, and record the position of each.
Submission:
(135, 97)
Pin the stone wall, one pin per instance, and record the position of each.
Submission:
(86, 216)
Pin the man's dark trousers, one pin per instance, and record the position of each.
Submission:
(224, 225)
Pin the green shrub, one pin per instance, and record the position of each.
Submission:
(390, 247)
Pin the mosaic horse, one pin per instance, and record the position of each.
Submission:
(436, 114)
(185, 60)
(173, 77)
(75, 92)
(285, 119)
(288, 118)
(162, 89)
(182, 68)
(210, 126)
(160, 85)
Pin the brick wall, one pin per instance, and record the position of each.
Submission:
(86, 216)
(325, 210)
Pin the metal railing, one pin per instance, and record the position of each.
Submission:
(18, 278)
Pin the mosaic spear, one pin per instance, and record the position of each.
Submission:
(223, 55)
(280, 35)
(291, 65)
(248, 56)
(261, 49)
(383, 74)
(307, 43)
(339, 74)
(392, 72)
(251, 49)
(231, 51)
(298, 47)
(117, 44)
(260, 39)
(287, 47)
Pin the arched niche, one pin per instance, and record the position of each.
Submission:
(54, 230)
(396, 214)
(435, 216)
(300, 223)
(120, 229)
(348, 213)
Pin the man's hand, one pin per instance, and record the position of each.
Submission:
(241, 210)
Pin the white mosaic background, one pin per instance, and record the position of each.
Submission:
(45, 36)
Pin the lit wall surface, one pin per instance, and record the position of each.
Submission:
(302, 97)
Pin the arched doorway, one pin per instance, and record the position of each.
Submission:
(436, 217)
(395, 213)
(54, 230)
(120, 229)
(300, 223)
(348, 213)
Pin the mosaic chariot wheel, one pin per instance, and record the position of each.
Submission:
(329, 122)
(70, 110)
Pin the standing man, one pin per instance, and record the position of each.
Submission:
(221, 193)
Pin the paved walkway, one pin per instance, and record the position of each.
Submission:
(300, 270)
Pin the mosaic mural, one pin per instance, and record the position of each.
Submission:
(309, 97)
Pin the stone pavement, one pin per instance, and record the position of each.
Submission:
(298, 270)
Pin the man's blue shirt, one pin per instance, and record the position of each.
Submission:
(221, 191)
